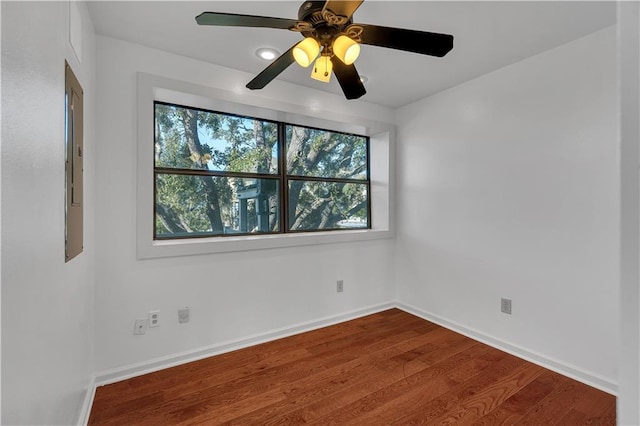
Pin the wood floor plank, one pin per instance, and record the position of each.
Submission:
(402, 395)
(287, 382)
(346, 379)
(575, 417)
(592, 402)
(384, 384)
(386, 368)
(244, 388)
(555, 405)
(427, 394)
(490, 397)
(513, 408)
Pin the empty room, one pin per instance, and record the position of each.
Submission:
(320, 212)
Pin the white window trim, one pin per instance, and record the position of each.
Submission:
(155, 88)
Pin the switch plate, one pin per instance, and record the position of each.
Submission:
(340, 286)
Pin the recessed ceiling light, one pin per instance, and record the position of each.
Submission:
(267, 53)
(364, 79)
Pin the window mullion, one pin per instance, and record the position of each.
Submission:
(284, 185)
(326, 179)
(217, 173)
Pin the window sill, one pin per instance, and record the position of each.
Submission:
(189, 247)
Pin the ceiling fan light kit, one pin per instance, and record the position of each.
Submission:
(346, 49)
(322, 69)
(306, 51)
(329, 31)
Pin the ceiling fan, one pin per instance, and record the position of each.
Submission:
(331, 41)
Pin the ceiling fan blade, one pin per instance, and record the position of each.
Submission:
(272, 71)
(341, 7)
(348, 78)
(235, 20)
(423, 42)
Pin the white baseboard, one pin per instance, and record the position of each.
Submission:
(591, 379)
(85, 412)
(138, 369)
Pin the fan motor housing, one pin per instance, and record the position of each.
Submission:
(308, 8)
(324, 30)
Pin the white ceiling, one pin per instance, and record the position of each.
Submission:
(487, 36)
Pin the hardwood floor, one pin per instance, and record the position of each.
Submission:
(386, 368)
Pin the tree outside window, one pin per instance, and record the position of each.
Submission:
(218, 174)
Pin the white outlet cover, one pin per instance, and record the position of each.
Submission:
(183, 315)
(154, 318)
(505, 306)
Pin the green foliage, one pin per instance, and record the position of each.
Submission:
(183, 195)
(321, 153)
(324, 205)
(188, 139)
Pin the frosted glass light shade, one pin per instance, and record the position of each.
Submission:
(346, 49)
(306, 51)
(322, 69)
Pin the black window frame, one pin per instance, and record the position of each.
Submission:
(281, 176)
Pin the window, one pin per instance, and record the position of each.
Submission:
(220, 174)
(298, 111)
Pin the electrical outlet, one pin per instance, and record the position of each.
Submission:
(140, 326)
(340, 286)
(154, 319)
(184, 315)
(505, 306)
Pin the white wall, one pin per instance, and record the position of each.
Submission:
(629, 69)
(47, 305)
(509, 187)
(233, 295)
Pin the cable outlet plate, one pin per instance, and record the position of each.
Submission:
(184, 315)
(140, 326)
(505, 306)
